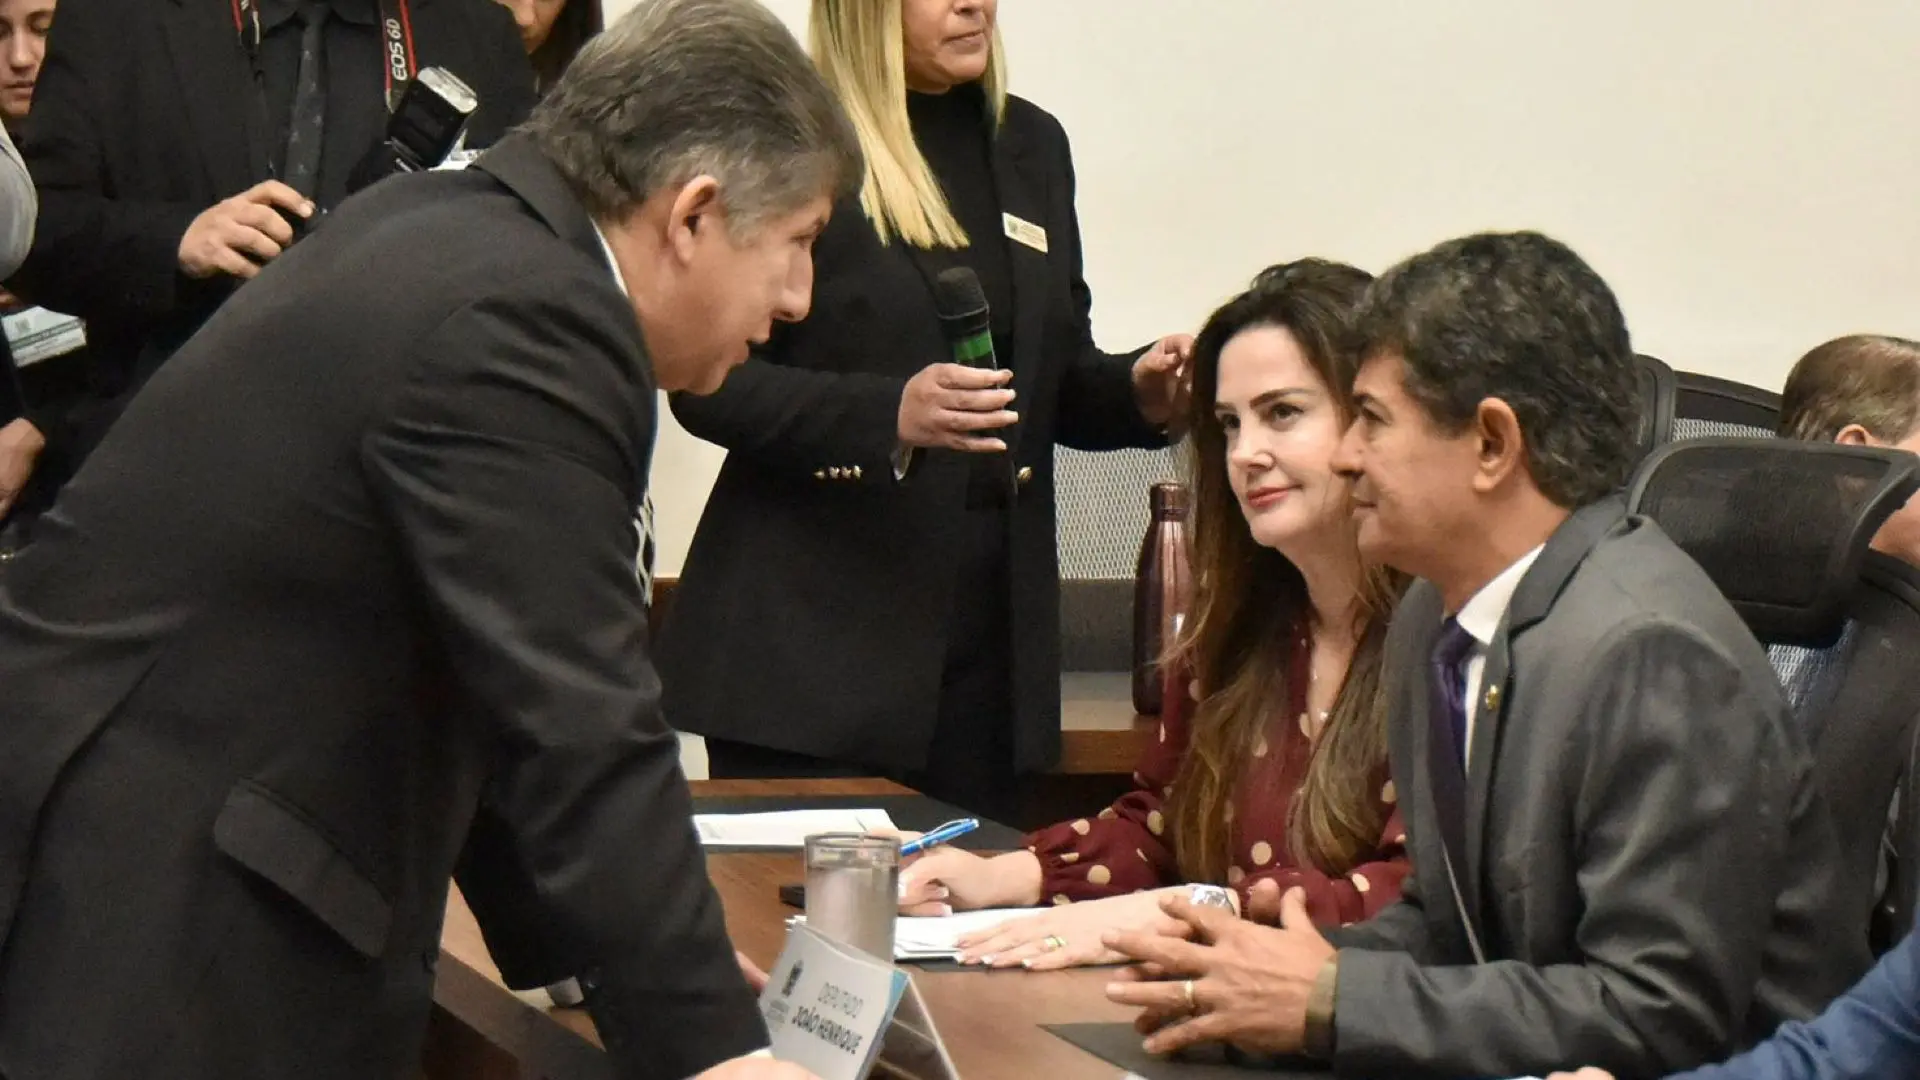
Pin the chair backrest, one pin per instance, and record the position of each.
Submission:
(1709, 407)
(1657, 390)
(1101, 516)
(1864, 707)
(1781, 526)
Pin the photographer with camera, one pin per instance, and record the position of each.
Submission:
(179, 146)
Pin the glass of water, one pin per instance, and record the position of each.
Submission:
(853, 889)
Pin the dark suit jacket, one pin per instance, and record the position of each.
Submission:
(362, 550)
(143, 117)
(836, 579)
(1649, 870)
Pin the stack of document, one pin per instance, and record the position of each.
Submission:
(785, 828)
(938, 937)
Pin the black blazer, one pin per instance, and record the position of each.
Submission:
(141, 121)
(259, 672)
(814, 565)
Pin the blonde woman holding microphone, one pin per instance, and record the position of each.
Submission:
(880, 542)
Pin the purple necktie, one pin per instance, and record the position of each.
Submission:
(1447, 688)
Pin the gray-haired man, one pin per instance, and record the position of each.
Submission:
(260, 672)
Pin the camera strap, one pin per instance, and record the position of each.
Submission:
(398, 62)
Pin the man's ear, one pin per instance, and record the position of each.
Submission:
(1855, 435)
(696, 206)
(1501, 447)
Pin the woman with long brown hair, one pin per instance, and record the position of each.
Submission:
(1270, 762)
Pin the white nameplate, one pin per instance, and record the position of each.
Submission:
(845, 1015)
(37, 334)
(1022, 231)
(828, 1005)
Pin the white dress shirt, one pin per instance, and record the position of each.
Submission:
(1480, 617)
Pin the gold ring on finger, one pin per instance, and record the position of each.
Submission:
(1187, 989)
(1054, 943)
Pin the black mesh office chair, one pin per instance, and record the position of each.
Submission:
(1783, 527)
(1709, 407)
(1706, 407)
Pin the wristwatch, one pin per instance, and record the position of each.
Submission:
(1211, 896)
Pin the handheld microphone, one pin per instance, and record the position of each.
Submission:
(968, 327)
(423, 129)
(964, 318)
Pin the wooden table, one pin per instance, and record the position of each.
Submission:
(992, 1022)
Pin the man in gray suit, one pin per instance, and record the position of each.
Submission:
(1619, 854)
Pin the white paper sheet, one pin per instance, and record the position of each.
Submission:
(935, 937)
(784, 828)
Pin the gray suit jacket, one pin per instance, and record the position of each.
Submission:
(1650, 875)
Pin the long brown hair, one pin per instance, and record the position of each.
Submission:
(1251, 610)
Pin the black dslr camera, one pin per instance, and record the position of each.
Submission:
(423, 130)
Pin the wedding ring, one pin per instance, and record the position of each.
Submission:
(1053, 942)
(1187, 989)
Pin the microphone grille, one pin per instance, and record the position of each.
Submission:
(958, 292)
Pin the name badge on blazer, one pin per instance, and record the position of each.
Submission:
(1025, 232)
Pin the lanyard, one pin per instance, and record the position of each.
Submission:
(396, 41)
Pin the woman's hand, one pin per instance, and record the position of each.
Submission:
(956, 407)
(948, 879)
(1161, 378)
(1068, 935)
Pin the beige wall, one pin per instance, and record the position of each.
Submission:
(1744, 172)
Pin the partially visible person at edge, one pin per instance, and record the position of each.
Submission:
(178, 151)
(881, 537)
(1861, 390)
(1872, 1033)
(1857, 390)
(1270, 766)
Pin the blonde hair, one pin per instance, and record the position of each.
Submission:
(860, 48)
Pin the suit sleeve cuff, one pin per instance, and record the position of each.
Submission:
(1319, 1042)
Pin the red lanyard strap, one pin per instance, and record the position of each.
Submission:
(398, 61)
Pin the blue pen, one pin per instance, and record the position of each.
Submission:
(952, 830)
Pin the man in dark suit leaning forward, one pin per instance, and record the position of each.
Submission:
(1618, 850)
(259, 670)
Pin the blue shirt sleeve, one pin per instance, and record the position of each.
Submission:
(1871, 1033)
